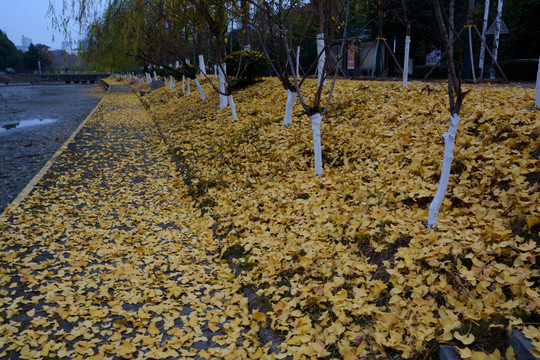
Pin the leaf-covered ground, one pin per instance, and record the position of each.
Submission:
(99, 261)
(345, 261)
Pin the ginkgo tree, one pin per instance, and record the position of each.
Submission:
(274, 42)
(327, 28)
(455, 96)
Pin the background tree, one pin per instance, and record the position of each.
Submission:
(34, 54)
(9, 55)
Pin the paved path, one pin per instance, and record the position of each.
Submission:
(98, 259)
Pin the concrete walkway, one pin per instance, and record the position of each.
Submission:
(97, 260)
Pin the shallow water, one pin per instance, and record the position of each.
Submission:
(25, 123)
(35, 120)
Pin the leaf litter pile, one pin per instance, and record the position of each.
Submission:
(99, 261)
(344, 261)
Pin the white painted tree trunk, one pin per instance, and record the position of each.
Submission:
(189, 86)
(316, 130)
(322, 59)
(537, 97)
(291, 97)
(201, 91)
(497, 35)
(222, 98)
(233, 107)
(202, 68)
(482, 47)
(406, 61)
(183, 84)
(215, 72)
(449, 142)
(155, 76)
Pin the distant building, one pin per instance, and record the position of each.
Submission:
(25, 43)
(66, 44)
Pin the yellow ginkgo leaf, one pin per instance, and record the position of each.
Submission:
(465, 339)
(153, 330)
(510, 355)
(126, 350)
(259, 316)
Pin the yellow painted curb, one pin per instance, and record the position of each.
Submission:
(30, 186)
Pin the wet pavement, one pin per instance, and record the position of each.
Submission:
(35, 120)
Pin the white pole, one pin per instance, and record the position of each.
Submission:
(298, 62)
(497, 34)
(537, 97)
(406, 61)
(482, 47)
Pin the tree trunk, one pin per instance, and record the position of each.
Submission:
(316, 130)
(449, 142)
(319, 15)
(482, 46)
(537, 97)
(183, 84)
(298, 62)
(406, 61)
(291, 97)
(233, 107)
(322, 59)
(244, 4)
(155, 76)
(497, 35)
(450, 54)
(202, 68)
(222, 98)
(201, 91)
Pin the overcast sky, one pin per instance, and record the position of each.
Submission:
(29, 18)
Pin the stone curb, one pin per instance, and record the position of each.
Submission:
(518, 341)
(30, 186)
(521, 345)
